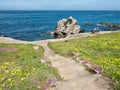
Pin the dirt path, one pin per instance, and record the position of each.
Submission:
(75, 77)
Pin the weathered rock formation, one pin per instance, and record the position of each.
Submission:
(66, 27)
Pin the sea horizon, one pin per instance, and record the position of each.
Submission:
(52, 10)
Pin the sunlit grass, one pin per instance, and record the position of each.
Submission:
(104, 50)
(21, 68)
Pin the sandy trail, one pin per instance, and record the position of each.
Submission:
(75, 77)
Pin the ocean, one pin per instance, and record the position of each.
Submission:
(34, 25)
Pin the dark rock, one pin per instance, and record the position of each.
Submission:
(50, 33)
(66, 41)
(82, 31)
(117, 26)
(87, 23)
(95, 30)
(3, 35)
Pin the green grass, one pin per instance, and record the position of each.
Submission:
(21, 68)
(104, 50)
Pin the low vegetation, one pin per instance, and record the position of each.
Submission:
(103, 50)
(21, 68)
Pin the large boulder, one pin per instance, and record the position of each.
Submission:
(66, 27)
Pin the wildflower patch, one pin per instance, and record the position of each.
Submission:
(9, 49)
(21, 68)
(91, 66)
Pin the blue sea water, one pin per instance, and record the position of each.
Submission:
(34, 25)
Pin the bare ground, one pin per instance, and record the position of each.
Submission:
(74, 75)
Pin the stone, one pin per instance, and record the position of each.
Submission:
(117, 26)
(87, 23)
(75, 54)
(95, 30)
(43, 61)
(82, 31)
(50, 33)
(66, 27)
(36, 48)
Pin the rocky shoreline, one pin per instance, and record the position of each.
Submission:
(75, 36)
(117, 26)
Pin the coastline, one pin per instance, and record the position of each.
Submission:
(76, 36)
(74, 76)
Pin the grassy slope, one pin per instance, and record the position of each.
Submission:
(103, 50)
(22, 69)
